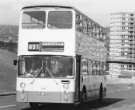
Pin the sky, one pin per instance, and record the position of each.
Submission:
(98, 10)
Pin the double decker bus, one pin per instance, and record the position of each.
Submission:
(61, 56)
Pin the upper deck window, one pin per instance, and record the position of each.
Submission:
(33, 19)
(60, 19)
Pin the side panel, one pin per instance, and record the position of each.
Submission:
(94, 52)
(91, 77)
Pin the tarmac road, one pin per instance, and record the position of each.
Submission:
(118, 100)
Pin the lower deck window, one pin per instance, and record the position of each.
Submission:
(45, 66)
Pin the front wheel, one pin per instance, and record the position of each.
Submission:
(34, 106)
(101, 93)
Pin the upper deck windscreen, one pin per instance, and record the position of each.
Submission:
(33, 19)
(60, 19)
(36, 19)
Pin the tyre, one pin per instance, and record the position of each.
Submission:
(83, 96)
(101, 93)
(34, 106)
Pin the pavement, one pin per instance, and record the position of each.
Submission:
(7, 73)
(7, 93)
(114, 88)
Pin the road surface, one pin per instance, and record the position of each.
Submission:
(122, 99)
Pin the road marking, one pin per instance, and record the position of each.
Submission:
(7, 106)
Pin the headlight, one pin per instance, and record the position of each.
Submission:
(22, 85)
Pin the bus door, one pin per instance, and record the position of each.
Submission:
(77, 79)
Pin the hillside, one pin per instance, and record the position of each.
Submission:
(8, 32)
(8, 37)
(7, 71)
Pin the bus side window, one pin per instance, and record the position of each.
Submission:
(98, 68)
(100, 72)
(102, 68)
(89, 67)
(84, 25)
(77, 21)
(78, 62)
(93, 68)
(90, 28)
(97, 73)
(84, 66)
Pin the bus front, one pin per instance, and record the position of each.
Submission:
(46, 55)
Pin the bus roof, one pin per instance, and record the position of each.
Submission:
(55, 6)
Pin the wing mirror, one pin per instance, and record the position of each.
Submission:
(15, 62)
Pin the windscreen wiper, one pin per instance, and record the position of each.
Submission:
(50, 73)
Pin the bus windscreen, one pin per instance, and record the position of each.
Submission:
(45, 67)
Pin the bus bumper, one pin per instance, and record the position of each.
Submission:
(45, 97)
